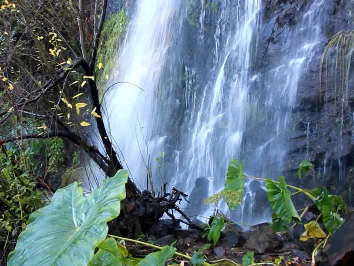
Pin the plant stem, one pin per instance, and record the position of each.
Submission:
(314, 252)
(293, 187)
(154, 246)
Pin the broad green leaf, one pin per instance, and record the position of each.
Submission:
(215, 229)
(110, 254)
(198, 257)
(71, 226)
(278, 225)
(305, 167)
(158, 258)
(248, 258)
(234, 184)
(331, 220)
(279, 198)
(324, 199)
(312, 230)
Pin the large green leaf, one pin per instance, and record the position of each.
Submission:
(323, 199)
(279, 198)
(278, 225)
(217, 225)
(66, 231)
(110, 253)
(234, 184)
(158, 258)
(332, 221)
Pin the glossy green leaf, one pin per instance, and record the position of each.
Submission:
(324, 199)
(110, 253)
(331, 220)
(158, 258)
(279, 198)
(69, 229)
(217, 225)
(248, 258)
(305, 167)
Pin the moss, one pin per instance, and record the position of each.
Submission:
(113, 32)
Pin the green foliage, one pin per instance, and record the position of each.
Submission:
(113, 32)
(158, 258)
(248, 258)
(56, 154)
(217, 225)
(111, 253)
(71, 226)
(198, 257)
(332, 221)
(19, 196)
(279, 198)
(305, 167)
(234, 186)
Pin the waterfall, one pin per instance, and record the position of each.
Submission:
(193, 101)
(130, 105)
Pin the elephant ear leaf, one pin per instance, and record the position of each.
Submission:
(279, 198)
(312, 230)
(217, 225)
(67, 231)
(158, 258)
(110, 253)
(234, 184)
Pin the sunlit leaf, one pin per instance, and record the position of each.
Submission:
(83, 83)
(89, 77)
(84, 124)
(73, 84)
(78, 106)
(312, 230)
(66, 102)
(11, 87)
(100, 65)
(77, 95)
(94, 113)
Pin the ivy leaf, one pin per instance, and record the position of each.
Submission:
(248, 258)
(312, 230)
(279, 198)
(332, 221)
(305, 167)
(69, 229)
(217, 225)
(158, 258)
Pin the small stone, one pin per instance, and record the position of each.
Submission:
(219, 252)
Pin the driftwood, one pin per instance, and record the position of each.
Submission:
(140, 213)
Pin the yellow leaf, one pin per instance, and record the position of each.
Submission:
(68, 116)
(83, 83)
(52, 51)
(107, 77)
(95, 114)
(78, 106)
(84, 124)
(312, 230)
(11, 87)
(89, 77)
(100, 65)
(67, 103)
(40, 38)
(4, 79)
(74, 83)
(77, 95)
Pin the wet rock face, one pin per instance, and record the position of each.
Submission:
(321, 124)
(339, 250)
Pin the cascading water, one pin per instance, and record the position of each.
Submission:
(201, 101)
(131, 105)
